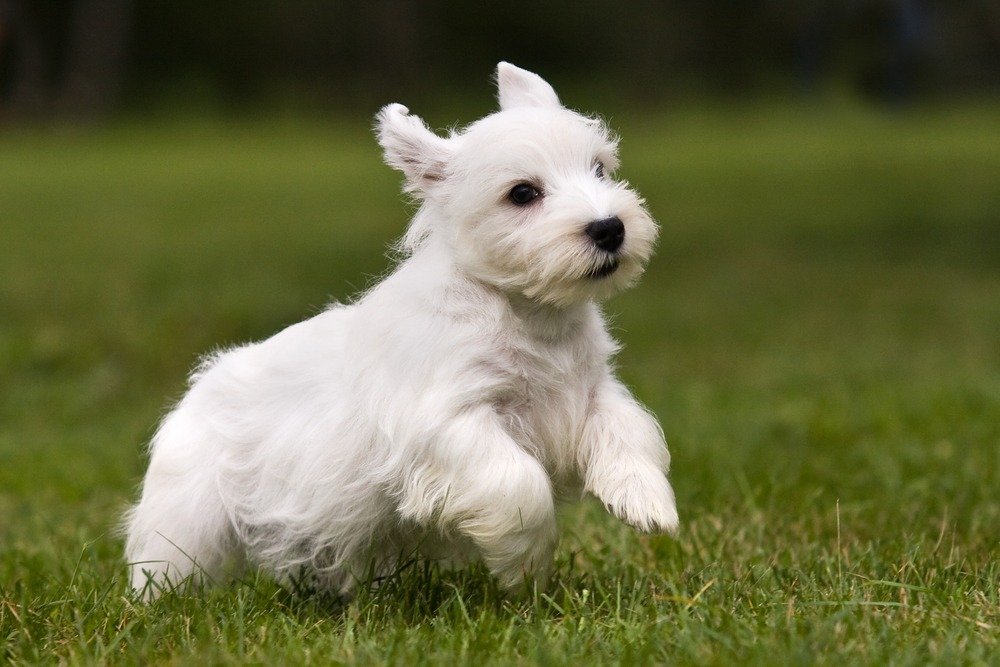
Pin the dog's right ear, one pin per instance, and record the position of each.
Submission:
(412, 148)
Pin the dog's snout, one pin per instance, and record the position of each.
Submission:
(607, 234)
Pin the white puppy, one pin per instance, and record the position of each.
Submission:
(447, 408)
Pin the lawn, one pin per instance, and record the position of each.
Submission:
(819, 334)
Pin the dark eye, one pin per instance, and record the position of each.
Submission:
(600, 170)
(523, 193)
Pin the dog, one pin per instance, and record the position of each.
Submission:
(450, 408)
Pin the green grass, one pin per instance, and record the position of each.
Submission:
(819, 334)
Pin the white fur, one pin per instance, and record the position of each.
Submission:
(448, 407)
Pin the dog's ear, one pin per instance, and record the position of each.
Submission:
(517, 87)
(412, 148)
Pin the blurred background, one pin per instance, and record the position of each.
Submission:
(819, 329)
(83, 58)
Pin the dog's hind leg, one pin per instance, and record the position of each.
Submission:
(176, 537)
(179, 534)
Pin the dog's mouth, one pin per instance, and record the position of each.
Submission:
(604, 270)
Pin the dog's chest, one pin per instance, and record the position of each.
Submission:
(542, 394)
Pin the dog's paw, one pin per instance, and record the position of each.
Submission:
(523, 561)
(644, 501)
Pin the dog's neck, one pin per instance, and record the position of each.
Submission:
(546, 321)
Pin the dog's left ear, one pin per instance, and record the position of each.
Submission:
(518, 87)
(412, 148)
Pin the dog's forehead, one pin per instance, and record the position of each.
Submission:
(522, 134)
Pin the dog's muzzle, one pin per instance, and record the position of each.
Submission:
(607, 234)
(604, 270)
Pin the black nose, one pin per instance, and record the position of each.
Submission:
(607, 234)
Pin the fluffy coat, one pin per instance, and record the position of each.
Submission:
(448, 408)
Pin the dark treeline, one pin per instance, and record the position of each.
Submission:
(86, 57)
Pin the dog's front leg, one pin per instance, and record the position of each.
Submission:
(474, 478)
(624, 460)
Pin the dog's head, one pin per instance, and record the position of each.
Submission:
(525, 198)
